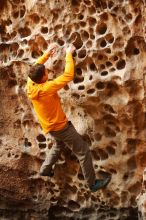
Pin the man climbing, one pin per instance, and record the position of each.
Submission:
(47, 105)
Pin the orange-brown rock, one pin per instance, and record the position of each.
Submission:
(106, 103)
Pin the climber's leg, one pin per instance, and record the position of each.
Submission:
(74, 141)
(51, 158)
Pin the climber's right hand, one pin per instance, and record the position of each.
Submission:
(70, 49)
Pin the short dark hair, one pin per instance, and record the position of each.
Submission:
(37, 72)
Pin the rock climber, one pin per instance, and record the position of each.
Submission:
(46, 102)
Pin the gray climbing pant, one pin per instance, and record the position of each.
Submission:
(77, 145)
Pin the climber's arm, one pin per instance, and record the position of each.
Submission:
(49, 53)
(68, 75)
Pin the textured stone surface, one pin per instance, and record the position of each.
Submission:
(141, 199)
(106, 102)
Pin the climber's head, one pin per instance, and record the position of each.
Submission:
(38, 73)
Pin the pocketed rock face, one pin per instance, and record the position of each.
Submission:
(141, 199)
(106, 103)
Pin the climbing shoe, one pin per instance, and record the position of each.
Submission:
(100, 184)
(44, 172)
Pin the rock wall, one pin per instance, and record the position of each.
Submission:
(106, 103)
(141, 198)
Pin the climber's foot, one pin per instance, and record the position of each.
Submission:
(100, 184)
(45, 172)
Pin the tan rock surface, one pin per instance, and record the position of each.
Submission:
(141, 198)
(106, 103)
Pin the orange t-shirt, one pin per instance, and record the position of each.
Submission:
(45, 99)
